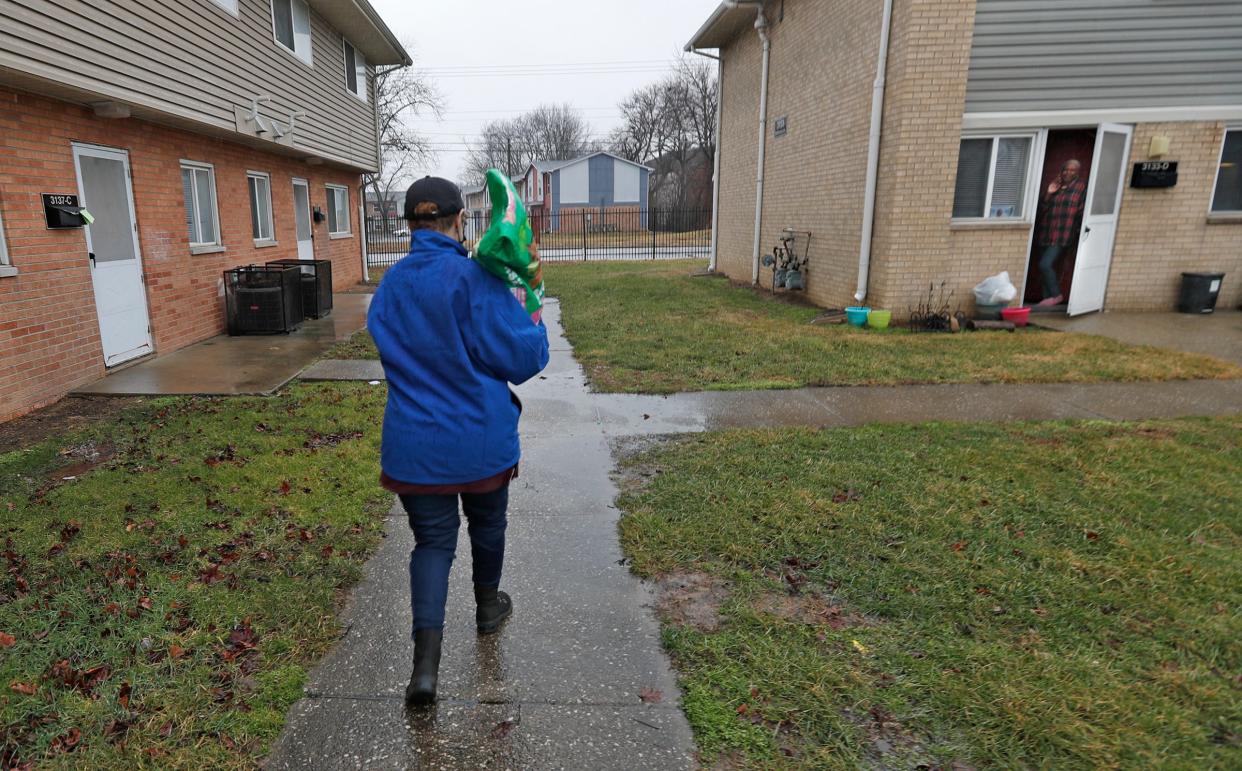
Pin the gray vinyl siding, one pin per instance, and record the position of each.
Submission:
(193, 60)
(1099, 54)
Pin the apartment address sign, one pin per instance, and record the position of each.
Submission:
(1154, 174)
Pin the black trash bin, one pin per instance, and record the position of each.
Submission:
(1199, 292)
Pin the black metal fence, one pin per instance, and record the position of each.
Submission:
(576, 235)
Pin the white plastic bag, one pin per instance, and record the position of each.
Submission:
(996, 290)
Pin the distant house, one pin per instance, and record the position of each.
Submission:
(387, 207)
(600, 191)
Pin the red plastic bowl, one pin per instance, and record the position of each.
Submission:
(1019, 316)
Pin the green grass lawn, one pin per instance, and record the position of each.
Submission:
(649, 327)
(161, 607)
(1051, 595)
(359, 346)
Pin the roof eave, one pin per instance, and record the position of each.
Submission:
(365, 29)
(722, 26)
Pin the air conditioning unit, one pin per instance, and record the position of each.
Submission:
(263, 299)
(316, 281)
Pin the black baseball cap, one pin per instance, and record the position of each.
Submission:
(434, 190)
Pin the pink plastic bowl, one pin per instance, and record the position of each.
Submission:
(1019, 316)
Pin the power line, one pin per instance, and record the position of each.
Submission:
(614, 63)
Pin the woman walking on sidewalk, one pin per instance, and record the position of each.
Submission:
(451, 338)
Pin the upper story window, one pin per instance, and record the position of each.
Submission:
(355, 71)
(291, 26)
(992, 174)
(228, 5)
(260, 185)
(202, 219)
(1227, 199)
(338, 210)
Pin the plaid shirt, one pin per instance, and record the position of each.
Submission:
(1061, 213)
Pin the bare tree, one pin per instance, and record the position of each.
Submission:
(548, 132)
(671, 125)
(401, 93)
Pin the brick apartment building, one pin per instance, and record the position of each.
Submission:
(981, 103)
(198, 135)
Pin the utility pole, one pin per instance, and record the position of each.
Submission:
(509, 156)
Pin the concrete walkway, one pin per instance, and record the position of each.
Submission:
(559, 686)
(228, 366)
(1216, 334)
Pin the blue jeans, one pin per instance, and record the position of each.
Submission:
(1048, 269)
(435, 521)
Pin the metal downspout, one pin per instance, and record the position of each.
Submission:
(873, 155)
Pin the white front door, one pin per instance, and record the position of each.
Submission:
(112, 244)
(1099, 218)
(302, 220)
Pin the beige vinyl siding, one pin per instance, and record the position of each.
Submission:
(1096, 54)
(194, 60)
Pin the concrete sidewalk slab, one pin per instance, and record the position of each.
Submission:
(249, 364)
(1216, 334)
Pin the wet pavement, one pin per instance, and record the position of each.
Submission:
(1216, 334)
(559, 686)
(249, 364)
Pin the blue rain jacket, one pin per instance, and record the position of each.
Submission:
(451, 337)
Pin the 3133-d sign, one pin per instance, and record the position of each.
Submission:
(1154, 174)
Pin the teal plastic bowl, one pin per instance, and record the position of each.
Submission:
(856, 317)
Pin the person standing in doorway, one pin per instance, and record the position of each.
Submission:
(451, 337)
(1063, 202)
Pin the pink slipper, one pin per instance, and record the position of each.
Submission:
(1052, 300)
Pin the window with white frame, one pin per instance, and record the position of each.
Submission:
(992, 175)
(338, 210)
(355, 71)
(260, 185)
(228, 5)
(1227, 198)
(291, 26)
(4, 247)
(198, 186)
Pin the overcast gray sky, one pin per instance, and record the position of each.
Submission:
(498, 58)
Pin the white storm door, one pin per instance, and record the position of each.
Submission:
(302, 219)
(1099, 218)
(112, 244)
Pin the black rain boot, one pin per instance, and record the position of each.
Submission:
(422, 688)
(494, 606)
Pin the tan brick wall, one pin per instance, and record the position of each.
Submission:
(49, 332)
(823, 61)
(822, 69)
(1162, 232)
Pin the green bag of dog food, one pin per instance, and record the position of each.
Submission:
(507, 249)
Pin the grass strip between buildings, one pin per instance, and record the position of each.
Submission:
(648, 327)
(1052, 595)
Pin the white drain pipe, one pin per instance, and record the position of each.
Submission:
(873, 156)
(761, 26)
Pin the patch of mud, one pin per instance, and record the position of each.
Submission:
(893, 746)
(629, 474)
(68, 414)
(691, 599)
(82, 458)
(810, 608)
